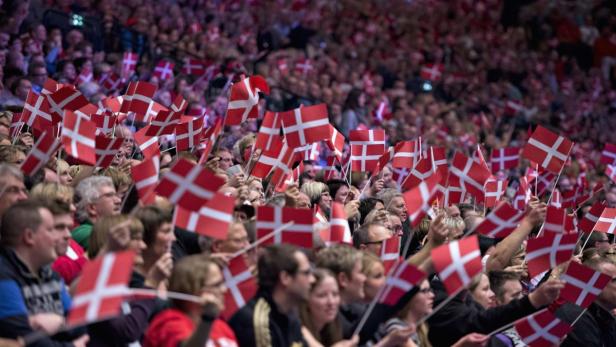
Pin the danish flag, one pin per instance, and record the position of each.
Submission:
(16, 124)
(105, 122)
(146, 176)
(587, 223)
(129, 64)
(148, 145)
(305, 125)
(211, 133)
(140, 98)
(106, 149)
(543, 181)
(407, 154)
(164, 123)
(212, 219)
(494, 191)
(505, 158)
(270, 128)
(547, 149)
(189, 185)
(432, 72)
(102, 288)
(270, 218)
(308, 152)
(164, 70)
(330, 169)
(457, 263)
(402, 279)
(179, 105)
(303, 66)
(522, 195)
(418, 174)
(37, 112)
(438, 158)
(50, 86)
(478, 157)
(608, 155)
(85, 76)
(390, 252)
(419, 199)
(335, 142)
(110, 81)
(557, 199)
(557, 221)
(78, 137)
(468, 175)
(367, 146)
(513, 107)
(501, 222)
(188, 134)
(44, 148)
(244, 99)
(194, 67)
(65, 98)
(583, 284)
(241, 285)
(339, 231)
(610, 171)
(542, 329)
(548, 251)
(607, 221)
(399, 175)
(279, 158)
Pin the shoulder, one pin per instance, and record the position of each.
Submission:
(243, 315)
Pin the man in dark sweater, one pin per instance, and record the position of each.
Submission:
(270, 318)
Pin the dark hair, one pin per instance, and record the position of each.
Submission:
(334, 185)
(498, 279)
(57, 206)
(352, 100)
(332, 331)
(152, 217)
(361, 236)
(274, 260)
(22, 215)
(365, 206)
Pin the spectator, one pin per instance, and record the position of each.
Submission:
(158, 236)
(481, 292)
(373, 269)
(237, 239)
(12, 188)
(506, 286)
(370, 237)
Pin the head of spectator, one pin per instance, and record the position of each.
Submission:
(20, 88)
(339, 190)
(12, 188)
(319, 313)
(54, 191)
(607, 298)
(319, 195)
(121, 180)
(6, 117)
(471, 222)
(63, 172)
(367, 205)
(394, 202)
(96, 198)
(599, 241)
(373, 269)
(226, 158)
(370, 237)
(481, 292)
(12, 154)
(346, 264)
(158, 233)
(285, 273)
(395, 223)
(62, 223)
(243, 148)
(37, 74)
(237, 239)
(102, 234)
(506, 286)
(309, 170)
(456, 227)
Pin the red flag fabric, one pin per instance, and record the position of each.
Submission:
(438, 157)
(194, 67)
(557, 221)
(50, 86)
(145, 176)
(148, 145)
(340, 232)
(608, 155)
(17, 125)
(270, 128)
(271, 217)
(547, 149)
(557, 199)
(141, 98)
(544, 182)
(212, 219)
(189, 185)
(188, 134)
(66, 98)
(419, 173)
(468, 175)
(407, 154)
(548, 251)
(303, 66)
(129, 64)
(522, 195)
(419, 199)
(505, 158)
(587, 223)
(583, 284)
(607, 221)
(542, 329)
(241, 285)
(335, 142)
(37, 111)
(478, 157)
(390, 252)
(164, 123)
(457, 263)
(44, 148)
(494, 190)
(101, 288)
(399, 175)
(513, 107)
(244, 99)
(305, 125)
(78, 137)
(164, 70)
(610, 171)
(110, 81)
(402, 279)
(432, 72)
(501, 222)
(211, 133)
(308, 152)
(106, 149)
(278, 157)
(105, 122)
(367, 146)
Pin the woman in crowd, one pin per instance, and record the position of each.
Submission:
(481, 292)
(375, 275)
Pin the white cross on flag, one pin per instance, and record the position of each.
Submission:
(402, 279)
(193, 67)
(129, 64)
(148, 145)
(78, 137)
(44, 148)
(587, 223)
(106, 149)
(547, 149)
(367, 147)
(102, 288)
(241, 285)
(305, 125)
(212, 219)
(407, 154)
(543, 181)
(610, 171)
(548, 251)
(494, 190)
(383, 161)
(399, 175)
(339, 231)
(189, 185)
(279, 158)
(270, 128)
(335, 142)
(418, 199)
(583, 284)
(140, 98)
(522, 195)
(457, 263)
(188, 134)
(505, 158)
(608, 155)
(479, 158)
(557, 199)
(419, 173)
(145, 177)
(501, 222)
(300, 233)
(164, 70)
(37, 112)
(308, 152)
(244, 99)
(330, 170)
(468, 175)
(607, 221)
(110, 81)
(164, 123)
(431, 72)
(50, 86)
(303, 66)
(104, 122)
(557, 221)
(542, 329)
(438, 158)
(66, 98)
(390, 252)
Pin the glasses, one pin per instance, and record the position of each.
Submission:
(108, 195)
(426, 290)
(606, 240)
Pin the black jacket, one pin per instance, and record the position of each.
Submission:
(260, 324)
(596, 328)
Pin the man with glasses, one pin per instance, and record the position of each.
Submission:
(271, 317)
(12, 188)
(599, 241)
(370, 237)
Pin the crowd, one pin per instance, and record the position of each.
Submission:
(453, 74)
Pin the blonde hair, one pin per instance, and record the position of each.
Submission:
(118, 177)
(314, 190)
(100, 231)
(53, 191)
(62, 165)
(189, 275)
(368, 260)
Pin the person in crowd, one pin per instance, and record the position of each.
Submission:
(319, 195)
(506, 286)
(481, 292)
(12, 188)
(339, 190)
(373, 269)
(599, 241)
(370, 237)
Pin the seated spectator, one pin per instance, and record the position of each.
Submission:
(506, 286)
(370, 237)
(237, 239)
(318, 193)
(481, 292)
(12, 188)
(373, 269)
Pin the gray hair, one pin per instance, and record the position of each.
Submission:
(10, 170)
(88, 191)
(387, 195)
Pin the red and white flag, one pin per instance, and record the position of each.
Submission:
(104, 122)
(547, 149)
(505, 158)
(587, 223)
(305, 125)
(50, 86)
(211, 134)
(608, 155)
(270, 129)
(309, 152)
(557, 199)
(330, 170)
(367, 147)
(212, 219)
(85, 76)
(339, 231)
(548, 251)
(280, 157)
(432, 72)
(148, 145)
(17, 124)
(37, 112)
(542, 329)
(399, 175)
(106, 149)
(557, 221)
(66, 98)
(44, 148)
(438, 158)
(241, 285)
(164, 123)
(78, 137)
(194, 67)
(607, 221)
(140, 98)
(335, 142)
(501, 222)
(146, 177)
(522, 195)
(129, 64)
(419, 199)
(102, 288)
(401, 280)
(543, 181)
(468, 175)
(610, 171)
(189, 185)
(494, 190)
(188, 134)
(513, 107)
(390, 252)
(479, 158)
(407, 154)
(583, 284)
(164, 70)
(244, 99)
(304, 66)
(270, 218)
(110, 81)
(420, 172)
(457, 263)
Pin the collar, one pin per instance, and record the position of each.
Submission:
(22, 268)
